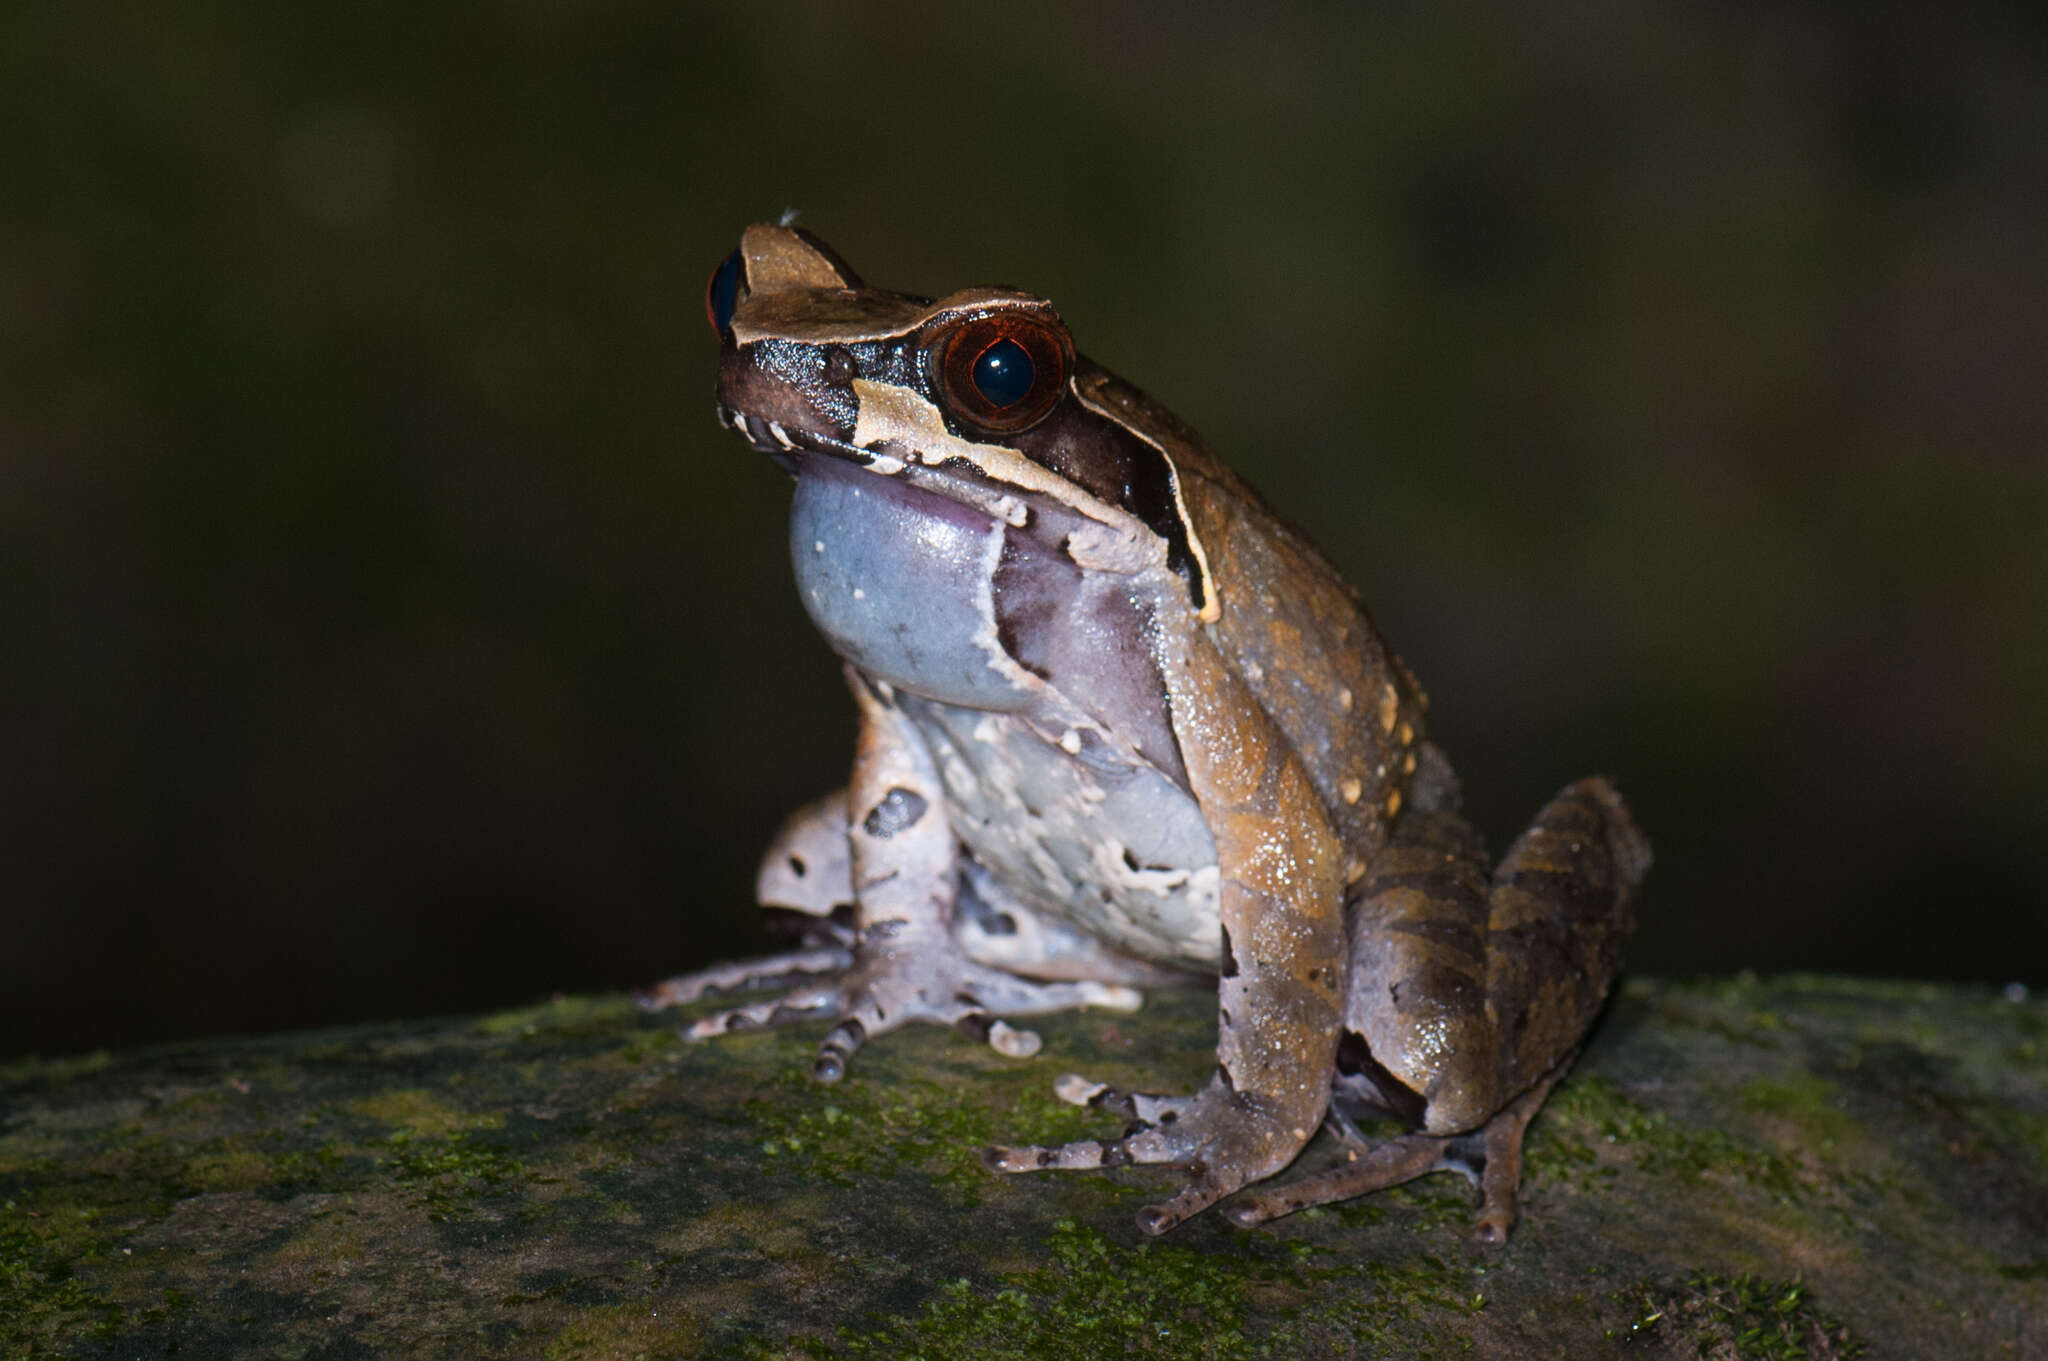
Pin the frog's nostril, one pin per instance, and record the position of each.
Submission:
(722, 294)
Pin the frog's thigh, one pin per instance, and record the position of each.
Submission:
(1416, 1026)
(808, 866)
(1468, 988)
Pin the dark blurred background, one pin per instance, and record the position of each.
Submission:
(390, 630)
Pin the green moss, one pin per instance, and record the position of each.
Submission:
(1740, 1318)
(637, 1049)
(229, 1165)
(1680, 1011)
(2029, 1020)
(2013, 1128)
(419, 1112)
(1442, 1201)
(556, 1015)
(1091, 1297)
(447, 1173)
(871, 1128)
(1812, 1103)
(316, 1169)
(1587, 1119)
(53, 1072)
(924, 1102)
(133, 1177)
(1891, 992)
(634, 1332)
(42, 1301)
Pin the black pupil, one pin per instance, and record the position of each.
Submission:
(723, 292)
(1003, 373)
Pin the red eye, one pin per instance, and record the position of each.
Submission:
(1003, 372)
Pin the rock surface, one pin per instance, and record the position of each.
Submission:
(1797, 1167)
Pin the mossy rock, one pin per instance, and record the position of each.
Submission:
(1802, 1167)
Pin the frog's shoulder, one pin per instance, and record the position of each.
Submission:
(1135, 410)
(1215, 502)
(1295, 632)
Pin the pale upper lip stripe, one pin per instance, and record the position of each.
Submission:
(773, 437)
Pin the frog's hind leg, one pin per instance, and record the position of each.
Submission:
(1490, 1156)
(1470, 992)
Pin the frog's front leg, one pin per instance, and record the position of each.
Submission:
(1281, 907)
(907, 964)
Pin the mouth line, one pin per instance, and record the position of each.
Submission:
(772, 437)
(943, 479)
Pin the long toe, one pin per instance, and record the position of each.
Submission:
(1194, 1198)
(816, 1005)
(1384, 1164)
(744, 975)
(1080, 1156)
(839, 1045)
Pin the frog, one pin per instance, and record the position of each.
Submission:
(1121, 726)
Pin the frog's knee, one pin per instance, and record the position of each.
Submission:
(1458, 1106)
(1594, 808)
(1625, 839)
(808, 867)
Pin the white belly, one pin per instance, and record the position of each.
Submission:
(1112, 846)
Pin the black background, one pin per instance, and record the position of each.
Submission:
(389, 629)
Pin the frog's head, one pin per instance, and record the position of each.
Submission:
(978, 396)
